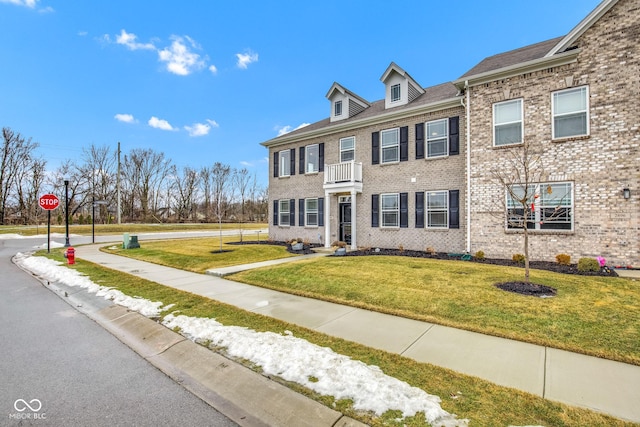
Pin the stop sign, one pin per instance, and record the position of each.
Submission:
(49, 202)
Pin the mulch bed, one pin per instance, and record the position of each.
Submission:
(531, 289)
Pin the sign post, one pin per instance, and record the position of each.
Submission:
(49, 202)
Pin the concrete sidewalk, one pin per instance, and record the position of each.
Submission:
(598, 384)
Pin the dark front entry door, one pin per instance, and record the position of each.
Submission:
(345, 222)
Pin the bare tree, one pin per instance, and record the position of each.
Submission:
(185, 192)
(28, 188)
(241, 181)
(521, 175)
(220, 178)
(16, 153)
(207, 191)
(147, 171)
(99, 169)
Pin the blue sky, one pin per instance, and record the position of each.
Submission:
(207, 81)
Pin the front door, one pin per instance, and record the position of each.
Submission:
(345, 223)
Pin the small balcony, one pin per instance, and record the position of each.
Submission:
(343, 176)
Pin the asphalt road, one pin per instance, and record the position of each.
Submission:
(59, 368)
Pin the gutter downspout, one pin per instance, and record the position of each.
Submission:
(468, 167)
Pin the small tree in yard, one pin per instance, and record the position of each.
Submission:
(527, 201)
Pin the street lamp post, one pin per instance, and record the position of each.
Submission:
(66, 212)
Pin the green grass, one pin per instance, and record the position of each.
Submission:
(32, 230)
(485, 404)
(200, 254)
(598, 316)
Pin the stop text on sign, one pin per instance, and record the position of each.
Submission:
(49, 202)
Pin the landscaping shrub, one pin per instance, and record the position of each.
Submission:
(430, 250)
(479, 255)
(519, 258)
(563, 259)
(588, 264)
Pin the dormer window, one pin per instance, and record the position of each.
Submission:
(395, 93)
(337, 108)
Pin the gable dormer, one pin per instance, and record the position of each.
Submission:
(400, 87)
(344, 103)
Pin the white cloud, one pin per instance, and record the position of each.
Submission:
(213, 69)
(157, 123)
(179, 58)
(129, 40)
(31, 4)
(201, 129)
(126, 118)
(244, 59)
(82, 33)
(286, 129)
(247, 164)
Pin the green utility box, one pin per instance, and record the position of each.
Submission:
(130, 242)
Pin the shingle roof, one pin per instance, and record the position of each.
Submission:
(432, 95)
(517, 56)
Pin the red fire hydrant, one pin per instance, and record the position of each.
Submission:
(70, 255)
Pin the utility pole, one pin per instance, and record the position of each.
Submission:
(118, 185)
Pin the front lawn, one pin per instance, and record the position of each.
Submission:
(199, 255)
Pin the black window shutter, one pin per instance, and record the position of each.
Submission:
(419, 140)
(321, 157)
(404, 210)
(301, 212)
(321, 212)
(292, 212)
(454, 136)
(292, 158)
(420, 209)
(375, 148)
(276, 157)
(302, 163)
(404, 143)
(375, 204)
(454, 208)
(275, 212)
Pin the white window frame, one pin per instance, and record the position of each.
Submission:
(581, 111)
(344, 151)
(508, 123)
(337, 108)
(283, 209)
(546, 197)
(310, 213)
(432, 139)
(284, 157)
(386, 210)
(311, 167)
(395, 146)
(395, 94)
(429, 209)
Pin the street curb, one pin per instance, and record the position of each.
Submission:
(242, 395)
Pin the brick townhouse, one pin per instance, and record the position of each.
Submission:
(419, 169)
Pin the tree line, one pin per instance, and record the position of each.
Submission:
(151, 187)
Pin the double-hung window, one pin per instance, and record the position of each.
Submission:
(507, 123)
(284, 213)
(312, 158)
(570, 112)
(546, 206)
(437, 138)
(347, 149)
(285, 163)
(390, 146)
(390, 209)
(337, 108)
(437, 209)
(311, 212)
(395, 93)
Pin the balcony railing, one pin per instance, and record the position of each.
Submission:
(343, 172)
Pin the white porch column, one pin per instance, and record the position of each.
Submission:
(354, 216)
(327, 220)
